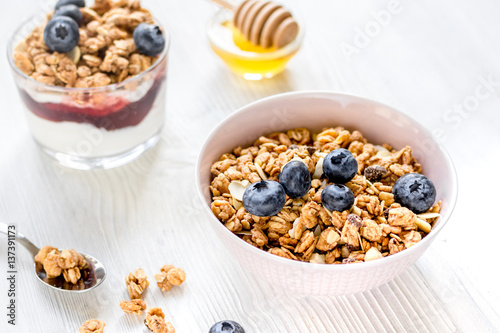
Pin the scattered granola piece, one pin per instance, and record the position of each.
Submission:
(166, 268)
(92, 326)
(135, 306)
(169, 276)
(162, 281)
(155, 321)
(137, 282)
(176, 276)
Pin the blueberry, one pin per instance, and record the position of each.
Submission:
(295, 179)
(149, 39)
(61, 34)
(264, 198)
(340, 166)
(415, 192)
(78, 3)
(337, 197)
(226, 326)
(70, 11)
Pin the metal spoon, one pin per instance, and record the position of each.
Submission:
(91, 277)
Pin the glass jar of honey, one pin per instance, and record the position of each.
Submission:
(253, 62)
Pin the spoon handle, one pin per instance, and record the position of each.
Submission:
(4, 229)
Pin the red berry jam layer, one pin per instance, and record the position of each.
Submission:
(113, 113)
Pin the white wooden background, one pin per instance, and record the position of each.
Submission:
(432, 57)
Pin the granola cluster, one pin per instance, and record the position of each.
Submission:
(374, 227)
(169, 277)
(67, 263)
(106, 52)
(135, 306)
(155, 322)
(137, 283)
(92, 326)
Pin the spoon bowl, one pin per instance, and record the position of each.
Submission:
(91, 277)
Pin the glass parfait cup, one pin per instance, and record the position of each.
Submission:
(98, 127)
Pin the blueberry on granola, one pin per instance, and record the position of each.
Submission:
(415, 192)
(149, 39)
(337, 197)
(70, 11)
(340, 166)
(295, 179)
(226, 326)
(78, 3)
(61, 34)
(264, 198)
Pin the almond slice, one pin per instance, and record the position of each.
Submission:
(428, 215)
(318, 170)
(317, 258)
(260, 171)
(237, 188)
(74, 55)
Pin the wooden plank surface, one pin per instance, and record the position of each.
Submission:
(425, 58)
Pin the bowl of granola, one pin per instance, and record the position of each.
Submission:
(325, 193)
(92, 77)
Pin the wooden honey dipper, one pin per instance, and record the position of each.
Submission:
(263, 23)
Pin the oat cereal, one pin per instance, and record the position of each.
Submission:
(106, 52)
(135, 306)
(155, 322)
(92, 326)
(136, 282)
(67, 263)
(169, 276)
(374, 227)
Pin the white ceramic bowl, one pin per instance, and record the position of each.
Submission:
(379, 123)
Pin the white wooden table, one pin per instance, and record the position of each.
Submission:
(431, 59)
